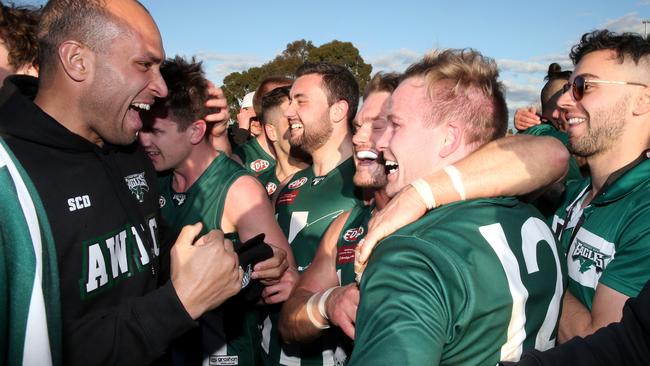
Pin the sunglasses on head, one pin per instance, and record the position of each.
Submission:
(579, 83)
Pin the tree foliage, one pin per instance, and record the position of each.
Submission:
(237, 84)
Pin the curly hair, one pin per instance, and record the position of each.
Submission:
(18, 27)
(631, 45)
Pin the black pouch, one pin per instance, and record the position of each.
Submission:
(251, 252)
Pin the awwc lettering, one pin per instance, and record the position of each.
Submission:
(117, 256)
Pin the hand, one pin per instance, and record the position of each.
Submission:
(244, 118)
(525, 118)
(403, 209)
(280, 292)
(217, 100)
(270, 270)
(341, 307)
(206, 273)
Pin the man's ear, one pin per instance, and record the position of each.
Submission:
(197, 131)
(642, 102)
(453, 137)
(271, 134)
(77, 60)
(339, 111)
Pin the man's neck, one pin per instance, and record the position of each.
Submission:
(602, 165)
(335, 151)
(57, 104)
(189, 171)
(381, 198)
(286, 164)
(264, 143)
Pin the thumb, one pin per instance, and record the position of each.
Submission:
(368, 244)
(189, 233)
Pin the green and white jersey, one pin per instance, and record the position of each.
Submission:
(612, 242)
(30, 322)
(354, 229)
(229, 336)
(255, 159)
(270, 181)
(305, 208)
(470, 283)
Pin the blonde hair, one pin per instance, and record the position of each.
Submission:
(462, 85)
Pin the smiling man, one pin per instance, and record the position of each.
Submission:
(73, 132)
(324, 100)
(198, 183)
(330, 277)
(478, 281)
(603, 223)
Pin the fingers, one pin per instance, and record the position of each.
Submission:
(276, 294)
(216, 100)
(189, 233)
(212, 237)
(348, 328)
(272, 268)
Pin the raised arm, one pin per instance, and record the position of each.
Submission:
(510, 166)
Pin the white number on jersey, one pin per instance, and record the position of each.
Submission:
(533, 232)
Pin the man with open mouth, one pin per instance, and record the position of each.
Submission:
(469, 283)
(327, 287)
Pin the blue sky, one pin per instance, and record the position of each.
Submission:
(523, 36)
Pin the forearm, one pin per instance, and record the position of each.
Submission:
(295, 325)
(135, 332)
(575, 320)
(511, 166)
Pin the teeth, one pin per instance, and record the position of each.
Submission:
(296, 126)
(367, 155)
(390, 166)
(142, 106)
(576, 120)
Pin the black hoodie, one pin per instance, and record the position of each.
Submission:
(102, 204)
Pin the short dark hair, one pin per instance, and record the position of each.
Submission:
(268, 84)
(338, 82)
(273, 99)
(463, 85)
(188, 90)
(18, 27)
(86, 21)
(626, 45)
(382, 82)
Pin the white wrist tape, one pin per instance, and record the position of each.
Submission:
(310, 313)
(321, 301)
(456, 180)
(424, 190)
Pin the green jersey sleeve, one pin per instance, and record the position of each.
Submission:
(628, 271)
(398, 314)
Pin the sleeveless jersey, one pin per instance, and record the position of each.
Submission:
(471, 283)
(255, 159)
(305, 207)
(229, 336)
(612, 242)
(354, 229)
(270, 181)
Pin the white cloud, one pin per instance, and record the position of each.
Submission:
(219, 65)
(397, 60)
(521, 92)
(630, 22)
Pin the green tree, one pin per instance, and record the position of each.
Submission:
(237, 84)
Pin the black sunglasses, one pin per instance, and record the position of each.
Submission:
(579, 84)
